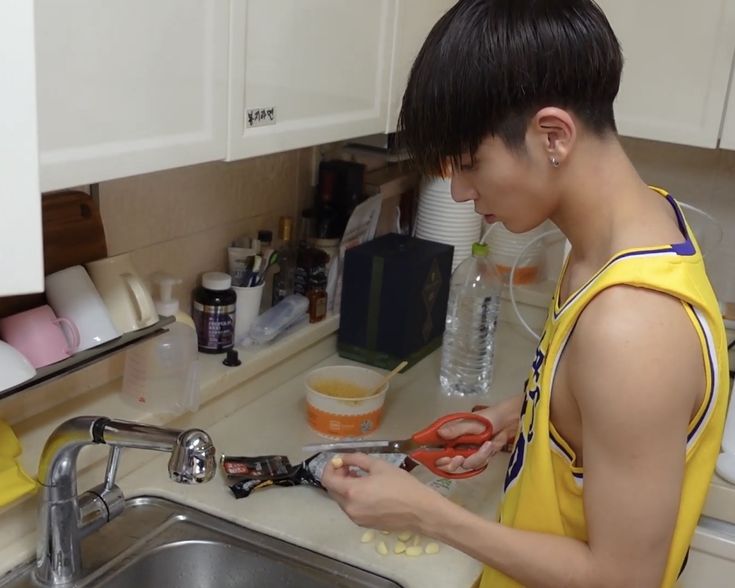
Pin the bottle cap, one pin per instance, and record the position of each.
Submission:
(166, 305)
(216, 281)
(232, 359)
(265, 236)
(480, 249)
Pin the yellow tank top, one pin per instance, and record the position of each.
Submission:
(543, 487)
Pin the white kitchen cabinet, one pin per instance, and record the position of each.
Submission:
(21, 241)
(727, 138)
(129, 86)
(414, 20)
(678, 56)
(307, 72)
(712, 556)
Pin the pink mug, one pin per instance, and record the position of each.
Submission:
(40, 335)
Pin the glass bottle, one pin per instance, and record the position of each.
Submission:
(283, 280)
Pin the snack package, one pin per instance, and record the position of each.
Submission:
(247, 474)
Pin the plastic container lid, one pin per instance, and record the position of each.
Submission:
(216, 281)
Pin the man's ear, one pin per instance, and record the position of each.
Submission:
(555, 131)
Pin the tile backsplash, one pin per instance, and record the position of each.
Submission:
(182, 220)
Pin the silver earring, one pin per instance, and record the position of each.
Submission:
(554, 161)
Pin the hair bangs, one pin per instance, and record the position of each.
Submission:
(488, 65)
(439, 116)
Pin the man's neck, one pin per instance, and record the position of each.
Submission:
(599, 195)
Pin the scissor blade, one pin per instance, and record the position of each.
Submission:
(351, 446)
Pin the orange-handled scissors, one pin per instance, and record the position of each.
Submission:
(426, 446)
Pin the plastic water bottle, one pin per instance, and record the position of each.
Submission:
(468, 346)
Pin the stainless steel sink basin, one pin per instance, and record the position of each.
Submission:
(157, 543)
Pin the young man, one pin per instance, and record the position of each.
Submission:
(623, 411)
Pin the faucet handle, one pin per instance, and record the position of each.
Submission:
(111, 472)
(193, 458)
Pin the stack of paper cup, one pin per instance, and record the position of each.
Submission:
(506, 247)
(441, 219)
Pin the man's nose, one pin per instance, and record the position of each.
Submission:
(461, 190)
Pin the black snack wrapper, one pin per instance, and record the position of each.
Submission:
(247, 474)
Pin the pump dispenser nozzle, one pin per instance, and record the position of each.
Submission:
(166, 304)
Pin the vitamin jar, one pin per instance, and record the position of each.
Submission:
(213, 312)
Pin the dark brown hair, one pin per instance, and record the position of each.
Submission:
(487, 66)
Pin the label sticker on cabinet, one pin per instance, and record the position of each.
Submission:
(259, 117)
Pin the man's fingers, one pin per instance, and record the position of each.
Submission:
(480, 458)
(360, 460)
(460, 427)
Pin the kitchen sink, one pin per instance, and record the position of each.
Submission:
(156, 542)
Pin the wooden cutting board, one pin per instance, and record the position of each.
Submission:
(73, 234)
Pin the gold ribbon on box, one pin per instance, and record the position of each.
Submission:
(14, 482)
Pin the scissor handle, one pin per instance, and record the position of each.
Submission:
(430, 435)
(428, 457)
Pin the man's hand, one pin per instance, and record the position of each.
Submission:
(385, 498)
(488, 449)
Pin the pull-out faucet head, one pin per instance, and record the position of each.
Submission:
(192, 458)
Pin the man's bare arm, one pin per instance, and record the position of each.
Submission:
(637, 376)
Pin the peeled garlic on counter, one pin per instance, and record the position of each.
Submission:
(401, 545)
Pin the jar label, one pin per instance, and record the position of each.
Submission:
(215, 326)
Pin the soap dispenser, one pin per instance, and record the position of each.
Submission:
(167, 305)
(161, 374)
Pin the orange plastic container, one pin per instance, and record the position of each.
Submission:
(336, 416)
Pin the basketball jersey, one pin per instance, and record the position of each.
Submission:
(543, 486)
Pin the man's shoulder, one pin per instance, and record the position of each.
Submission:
(627, 329)
(623, 311)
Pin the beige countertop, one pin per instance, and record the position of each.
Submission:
(275, 424)
(265, 414)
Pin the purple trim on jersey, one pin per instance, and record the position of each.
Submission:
(712, 379)
(685, 248)
(560, 447)
(579, 292)
(578, 475)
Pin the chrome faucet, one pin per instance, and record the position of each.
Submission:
(65, 518)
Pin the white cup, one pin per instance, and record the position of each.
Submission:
(247, 307)
(71, 293)
(123, 291)
(14, 367)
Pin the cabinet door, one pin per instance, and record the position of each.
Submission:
(129, 86)
(677, 64)
(727, 139)
(414, 19)
(711, 557)
(21, 242)
(307, 72)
